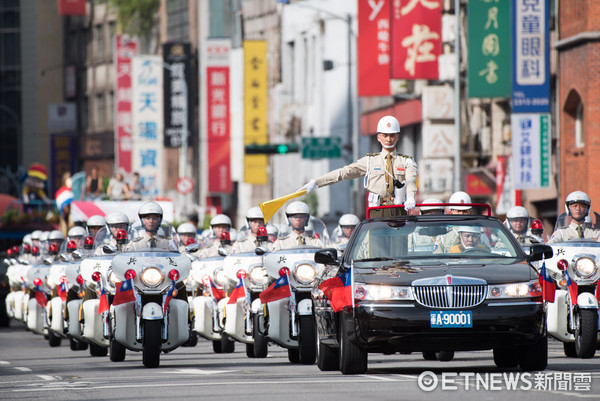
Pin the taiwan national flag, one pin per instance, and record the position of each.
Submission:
(62, 289)
(598, 291)
(278, 290)
(103, 305)
(124, 292)
(169, 297)
(548, 287)
(217, 294)
(238, 292)
(338, 290)
(40, 297)
(573, 289)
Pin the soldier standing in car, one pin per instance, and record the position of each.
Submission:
(298, 215)
(389, 177)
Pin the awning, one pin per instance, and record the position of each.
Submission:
(82, 210)
(407, 112)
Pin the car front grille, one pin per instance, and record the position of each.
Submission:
(450, 296)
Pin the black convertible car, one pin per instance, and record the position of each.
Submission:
(432, 284)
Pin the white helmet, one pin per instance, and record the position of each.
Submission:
(35, 236)
(150, 208)
(254, 213)
(56, 235)
(44, 236)
(577, 197)
(272, 230)
(469, 229)
(517, 212)
(348, 220)
(77, 231)
(388, 125)
(96, 221)
(460, 197)
(298, 207)
(27, 239)
(186, 228)
(117, 218)
(220, 219)
(429, 208)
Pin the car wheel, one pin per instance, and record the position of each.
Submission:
(353, 359)
(96, 350)
(534, 356)
(429, 355)
(506, 357)
(293, 355)
(445, 356)
(54, 340)
(328, 358)
(569, 349)
(217, 346)
(227, 344)
(258, 334)
(586, 333)
(116, 351)
(307, 340)
(152, 341)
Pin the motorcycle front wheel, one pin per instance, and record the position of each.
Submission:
(260, 339)
(116, 351)
(307, 340)
(586, 333)
(152, 341)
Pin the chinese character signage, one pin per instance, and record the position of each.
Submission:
(255, 109)
(63, 151)
(374, 39)
(531, 150)
(416, 38)
(505, 190)
(217, 116)
(125, 49)
(176, 94)
(489, 68)
(147, 122)
(531, 56)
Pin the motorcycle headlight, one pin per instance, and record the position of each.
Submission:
(220, 277)
(152, 277)
(370, 292)
(50, 282)
(515, 290)
(585, 267)
(257, 275)
(305, 273)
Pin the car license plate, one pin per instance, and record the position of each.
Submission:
(451, 319)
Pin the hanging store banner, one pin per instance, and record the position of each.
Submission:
(416, 39)
(218, 126)
(71, 7)
(125, 49)
(147, 121)
(255, 109)
(63, 158)
(531, 150)
(531, 56)
(374, 38)
(176, 94)
(489, 44)
(505, 190)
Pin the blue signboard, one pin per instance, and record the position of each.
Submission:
(531, 56)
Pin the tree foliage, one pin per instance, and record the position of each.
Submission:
(136, 17)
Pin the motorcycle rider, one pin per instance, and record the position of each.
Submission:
(346, 225)
(95, 223)
(255, 219)
(517, 220)
(56, 237)
(115, 221)
(220, 227)
(186, 233)
(577, 206)
(272, 232)
(151, 216)
(76, 234)
(298, 215)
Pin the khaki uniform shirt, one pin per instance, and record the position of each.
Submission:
(248, 244)
(570, 232)
(373, 166)
(291, 241)
(145, 242)
(213, 250)
(421, 243)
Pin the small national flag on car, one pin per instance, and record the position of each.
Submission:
(278, 290)
(238, 292)
(573, 289)
(124, 292)
(548, 287)
(338, 290)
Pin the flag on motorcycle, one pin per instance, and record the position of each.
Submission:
(547, 284)
(62, 289)
(124, 292)
(338, 290)
(278, 290)
(238, 292)
(217, 294)
(598, 291)
(103, 305)
(40, 297)
(169, 297)
(573, 288)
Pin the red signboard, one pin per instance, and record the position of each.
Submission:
(71, 7)
(219, 139)
(374, 48)
(476, 186)
(416, 39)
(125, 49)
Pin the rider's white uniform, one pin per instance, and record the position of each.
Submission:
(570, 232)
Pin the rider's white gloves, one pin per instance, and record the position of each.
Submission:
(311, 186)
(409, 203)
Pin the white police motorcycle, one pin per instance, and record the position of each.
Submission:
(38, 293)
(156, 319)
(573, 316)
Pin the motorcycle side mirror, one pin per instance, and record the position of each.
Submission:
(191, 248)
(261, 250)
(109, 249)
(222, 251)
(539, 252)
(48, 261)
(327, 256)
(76, 255)
(63, 257)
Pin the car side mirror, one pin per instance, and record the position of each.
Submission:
(327, 256)
(261, 250)
(539, 252)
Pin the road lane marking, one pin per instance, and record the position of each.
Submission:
(47, 378)
(22, 369)
(4, 363)
(199, 372)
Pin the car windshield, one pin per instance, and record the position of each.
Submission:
(419, 240)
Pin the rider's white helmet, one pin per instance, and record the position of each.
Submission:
(56, 235)
(429, 208)
(96, 221)
(298, 207)
(76, 231)
(348, 219)
(516, 212)
(186, 228)
(460, 197)
(220, 219)
(577, 197)
(117, 218)
(254, 213)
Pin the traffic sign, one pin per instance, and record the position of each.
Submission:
(322, 147)
(184, 185)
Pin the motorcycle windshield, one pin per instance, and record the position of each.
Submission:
(315, 228)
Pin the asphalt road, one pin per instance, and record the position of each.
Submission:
(31, 370)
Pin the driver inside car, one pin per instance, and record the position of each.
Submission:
(470, 238)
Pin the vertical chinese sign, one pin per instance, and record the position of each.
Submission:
(489, 68)
(255, 109)
(125, 49)
(147, 121)
(531, 56)
(531, 150)
(374, 37)
(176, 94)
(217, 120)
(416, 39)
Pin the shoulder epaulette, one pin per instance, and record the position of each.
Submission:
(372, 154)
(137, 239)
(405, 156)
(284, 237)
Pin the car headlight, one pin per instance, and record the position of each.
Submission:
(515, 290)
(370, 292)
(257, 275)
(305, 273)
(585, 267)
(152, 277)
(219, 277)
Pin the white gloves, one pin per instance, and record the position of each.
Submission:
(311, 186)
(409, 203)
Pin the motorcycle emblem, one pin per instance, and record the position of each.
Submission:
(131, 261)
(282, 259)
(171, 262)
(560, 251)
(237, 262)
(97, 266)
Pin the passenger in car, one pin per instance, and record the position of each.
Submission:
(418, 242)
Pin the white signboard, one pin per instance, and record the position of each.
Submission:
(438, 140)
(531, 150)
(62, 117)
(438, 103)
(437, 175)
